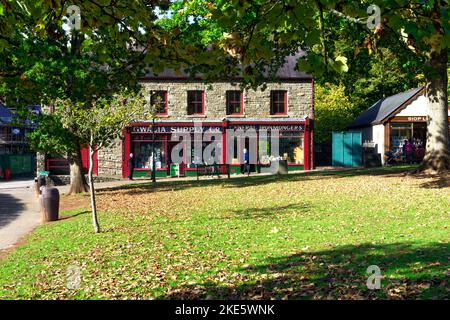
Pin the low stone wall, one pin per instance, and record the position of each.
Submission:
(61, 180)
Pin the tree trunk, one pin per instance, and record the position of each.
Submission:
(437, 156)
(95, 223)
(77, 180)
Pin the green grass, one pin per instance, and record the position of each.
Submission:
(301, 236)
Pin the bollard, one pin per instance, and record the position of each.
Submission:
(38, 183)
(49, 200)
(36, 187)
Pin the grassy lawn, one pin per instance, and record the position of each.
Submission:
(302, 236)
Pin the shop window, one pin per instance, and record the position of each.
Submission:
(142, 152)
(278, 102)
(198, 159)
(234, 102)
(195, 102)
(291, 147)
(158, 100)
(414, 132)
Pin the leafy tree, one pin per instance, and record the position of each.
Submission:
(373, 70)
(100, 124)
(333, 111)
(262, 31)
(377, 67)
(41, 60)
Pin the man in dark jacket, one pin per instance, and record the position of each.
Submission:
(246, 157)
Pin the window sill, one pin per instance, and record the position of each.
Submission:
(196, 115)
(235, 115)
(279, 116)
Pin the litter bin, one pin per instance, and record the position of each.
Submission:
(175, 170)
(49, 200)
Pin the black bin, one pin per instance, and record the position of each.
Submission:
(49, 200)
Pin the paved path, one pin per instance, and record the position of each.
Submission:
(19, 211)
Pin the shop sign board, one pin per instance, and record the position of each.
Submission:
(176, 129)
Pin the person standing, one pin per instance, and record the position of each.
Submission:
(246, 156)
(409, 149)
(131, 166)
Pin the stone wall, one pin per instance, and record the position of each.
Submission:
(62, 180)
(40, 162)
(110, 160)
(256, 103)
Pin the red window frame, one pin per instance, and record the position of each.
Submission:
(232, 100)
(278, 99)
(165, 101)
(196, 101)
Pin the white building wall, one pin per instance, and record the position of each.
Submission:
(417, 108)
(378, 138)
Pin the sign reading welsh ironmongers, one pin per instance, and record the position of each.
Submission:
(281, 128)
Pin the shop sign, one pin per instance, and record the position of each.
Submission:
(410, 119)
(177, 129)
(281, 128)
(413, 119)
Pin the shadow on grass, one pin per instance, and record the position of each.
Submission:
(73, 213)
(255, 180)
(411, 272)
(249, 213)
(435, 182)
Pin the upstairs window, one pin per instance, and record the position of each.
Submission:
(234, 102)
(278, 102)
(158, 100)
(195, 102)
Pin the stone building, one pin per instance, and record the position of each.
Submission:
(182, 103)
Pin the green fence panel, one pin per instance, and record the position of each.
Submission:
(338, 150)
(20, 165)
(347, 149)
(357, 150)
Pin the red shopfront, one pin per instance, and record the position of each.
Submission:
(294, 144)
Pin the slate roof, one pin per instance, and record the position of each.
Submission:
(5, 114)
(383, 108)
(286, 72)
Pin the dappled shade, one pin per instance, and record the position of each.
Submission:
(338, 273)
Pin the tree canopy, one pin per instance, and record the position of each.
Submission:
(407, 36)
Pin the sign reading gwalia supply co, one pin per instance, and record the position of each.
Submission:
(215, 129)
(168, 129)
